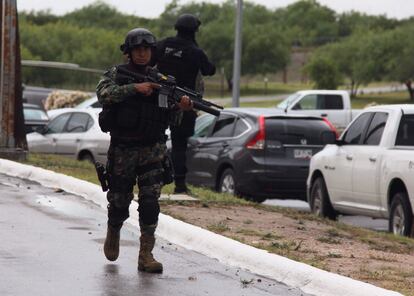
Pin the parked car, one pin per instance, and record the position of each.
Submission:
(75, 133)
(369, 171)
(36, 95)
(335, 105)
(257, 153)
(91, 103)
(34, 117)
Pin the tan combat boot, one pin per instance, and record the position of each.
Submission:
(146, 261)
(111, 246)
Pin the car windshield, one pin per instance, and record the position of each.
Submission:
(287, 102)
(34, 114)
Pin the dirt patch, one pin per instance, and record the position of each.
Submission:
(381, 259)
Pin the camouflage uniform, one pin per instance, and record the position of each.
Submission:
(131, 161)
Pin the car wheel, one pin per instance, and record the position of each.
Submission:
(86, 156)
(401, 215)
(227, 182)
(319, 200)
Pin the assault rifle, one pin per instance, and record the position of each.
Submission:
(170, 93)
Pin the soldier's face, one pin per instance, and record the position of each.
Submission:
(141, 55)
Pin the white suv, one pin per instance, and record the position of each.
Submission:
(370, 170)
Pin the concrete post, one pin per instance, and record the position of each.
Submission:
(13, 143)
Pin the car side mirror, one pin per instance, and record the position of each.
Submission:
(328, 137)
(193, 141)
(41, 129)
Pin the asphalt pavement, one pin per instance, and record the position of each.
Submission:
(51, 244)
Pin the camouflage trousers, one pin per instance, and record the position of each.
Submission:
(128, 166)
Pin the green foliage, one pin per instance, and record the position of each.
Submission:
(376, 48)
(324, 72)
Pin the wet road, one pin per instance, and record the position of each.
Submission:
(360, 221)
(51, 244)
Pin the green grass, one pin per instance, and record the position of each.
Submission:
(86, 171)
(385, 98)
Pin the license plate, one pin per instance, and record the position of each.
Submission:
(302, 153)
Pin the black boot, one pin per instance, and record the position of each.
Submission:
(181, 187)
(111, 246)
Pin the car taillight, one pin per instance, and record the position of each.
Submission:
(258, 142)
(331, 126)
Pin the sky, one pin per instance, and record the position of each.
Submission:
(399, 9)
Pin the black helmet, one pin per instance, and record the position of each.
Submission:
(137, 37)
(187, 22)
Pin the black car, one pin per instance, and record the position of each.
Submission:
(34, 117)
(256, 153)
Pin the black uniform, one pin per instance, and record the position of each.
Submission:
(181, 57)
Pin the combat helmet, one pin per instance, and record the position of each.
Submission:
(187, 22)
(137, 37)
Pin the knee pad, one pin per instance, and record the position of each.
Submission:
(120, 200)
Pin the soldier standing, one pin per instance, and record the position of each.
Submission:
(137, 127)
(181, 57)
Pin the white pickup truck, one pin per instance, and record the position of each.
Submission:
(370, 170)
(335, 105)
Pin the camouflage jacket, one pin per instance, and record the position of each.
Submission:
(109, 92)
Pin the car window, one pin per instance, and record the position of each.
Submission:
(376, 128)
(34, 114)
(203, 124)
(224, 126)
(90, 123)
(405, 135)
(240, 127)
(308, 102)
(330, 102)
(355, 131)
(78, 123)
(295, 131)
(58, 123)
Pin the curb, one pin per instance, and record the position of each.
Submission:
(310, 280)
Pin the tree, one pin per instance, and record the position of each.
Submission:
(401, 63)
(324, 72)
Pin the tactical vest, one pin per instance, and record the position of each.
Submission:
(138, 116)
(177, 59)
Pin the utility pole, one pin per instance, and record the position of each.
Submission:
(13, 143)
(237, 54)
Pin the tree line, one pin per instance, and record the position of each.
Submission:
(349, 46)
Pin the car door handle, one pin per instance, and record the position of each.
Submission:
(225, 145)
(324, 115)
(373, 159)
(349, 157)
(77, 140)
(54, 140)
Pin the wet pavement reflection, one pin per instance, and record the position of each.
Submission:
(51, 244)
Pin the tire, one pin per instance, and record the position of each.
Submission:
(227, 182)
(86, 156)
(401, 215)
(319, 200)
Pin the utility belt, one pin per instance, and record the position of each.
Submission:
(122, 138)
